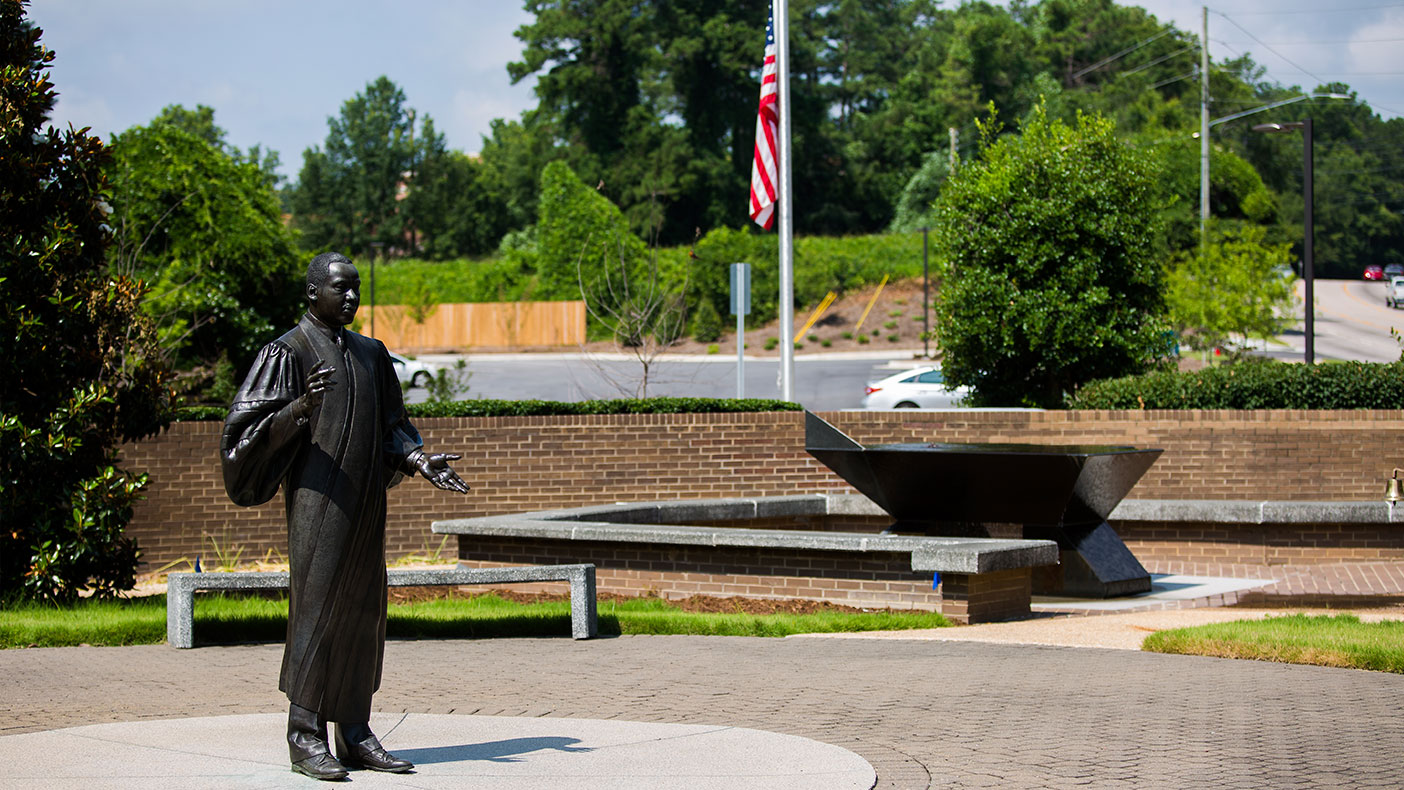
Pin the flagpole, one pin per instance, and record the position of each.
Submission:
(785, 199)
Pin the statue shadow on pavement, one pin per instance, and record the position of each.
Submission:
(504, 751)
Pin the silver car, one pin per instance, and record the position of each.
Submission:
(918, 388)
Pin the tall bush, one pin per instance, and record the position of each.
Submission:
(1053, 272)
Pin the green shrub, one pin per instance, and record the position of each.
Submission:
(1054, 274)
(706, 323)
(1253, 384)
(713, 348)
(862, 340)
(538, 408)
(771, 343)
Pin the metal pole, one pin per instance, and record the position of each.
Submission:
(1309, 194)
(925, 299)
(1204, 130)
(376, 247)
(787, 204)
(741, 299)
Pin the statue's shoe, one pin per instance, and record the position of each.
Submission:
(370, 754)
(321, 766)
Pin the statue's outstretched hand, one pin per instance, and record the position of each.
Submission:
(435, 468)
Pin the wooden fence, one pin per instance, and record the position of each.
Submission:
(483, 325)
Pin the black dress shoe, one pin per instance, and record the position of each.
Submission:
(370, 754)
(321, 766)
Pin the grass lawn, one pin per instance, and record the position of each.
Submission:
(1323, 640)
(223, 618)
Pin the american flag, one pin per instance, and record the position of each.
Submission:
(763, 168)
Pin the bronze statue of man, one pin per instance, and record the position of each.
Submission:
(321, 415)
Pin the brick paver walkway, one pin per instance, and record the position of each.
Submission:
(1341, 584)
(925, 714)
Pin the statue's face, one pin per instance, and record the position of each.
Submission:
(335, 300)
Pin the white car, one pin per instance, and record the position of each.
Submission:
(1394, 292)
(412, 371)
(918, 388)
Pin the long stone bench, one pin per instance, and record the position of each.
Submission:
(181, 587)
(981, 579)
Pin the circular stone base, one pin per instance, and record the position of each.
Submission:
(448, 752)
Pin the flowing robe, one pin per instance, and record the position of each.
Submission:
(334, 471)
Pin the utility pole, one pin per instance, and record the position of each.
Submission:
(1204, 130)
(955, 139)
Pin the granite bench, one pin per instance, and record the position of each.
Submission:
(982, 579)
(181, 587)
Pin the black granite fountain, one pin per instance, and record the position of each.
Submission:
(1062, 493)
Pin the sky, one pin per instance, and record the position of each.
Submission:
(276, 70)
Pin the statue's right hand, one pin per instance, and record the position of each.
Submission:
(318, 383)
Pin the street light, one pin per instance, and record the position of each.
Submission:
(377, 248)
(1307, 242)
(1203, 137)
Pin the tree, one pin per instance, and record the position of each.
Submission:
(916, 206)
(1053, 274)
(348, 191)
(1236, 287)
(205, 228)
(456, 206)
(582, 236)
(82, 372)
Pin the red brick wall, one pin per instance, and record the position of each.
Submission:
(533, 463)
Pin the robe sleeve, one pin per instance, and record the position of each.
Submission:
(401, 437)
(255, 451)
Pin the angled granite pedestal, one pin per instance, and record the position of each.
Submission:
(1062, 493)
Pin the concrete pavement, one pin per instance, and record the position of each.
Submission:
(922, 713)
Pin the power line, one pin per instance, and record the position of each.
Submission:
(1184, 76)
(1315, 10)
(1160, 59)
(1323, 43)
(1270, 49)
(1123, 53)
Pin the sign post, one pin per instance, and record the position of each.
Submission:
(740, 307)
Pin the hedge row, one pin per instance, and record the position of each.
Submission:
(540, 408)
(1259, 384)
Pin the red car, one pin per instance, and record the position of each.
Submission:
(1374, 272)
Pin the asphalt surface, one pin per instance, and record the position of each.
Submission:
(1352, 322)
(822, 381)
(922, 713)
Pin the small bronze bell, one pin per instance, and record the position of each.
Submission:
(1394, 488)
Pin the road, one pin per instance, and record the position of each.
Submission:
(822, 382)
(1352, 322)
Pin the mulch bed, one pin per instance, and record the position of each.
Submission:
(695, 603)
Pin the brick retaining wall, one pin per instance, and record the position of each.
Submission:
(535, 463)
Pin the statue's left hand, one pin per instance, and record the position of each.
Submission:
(436, 470)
